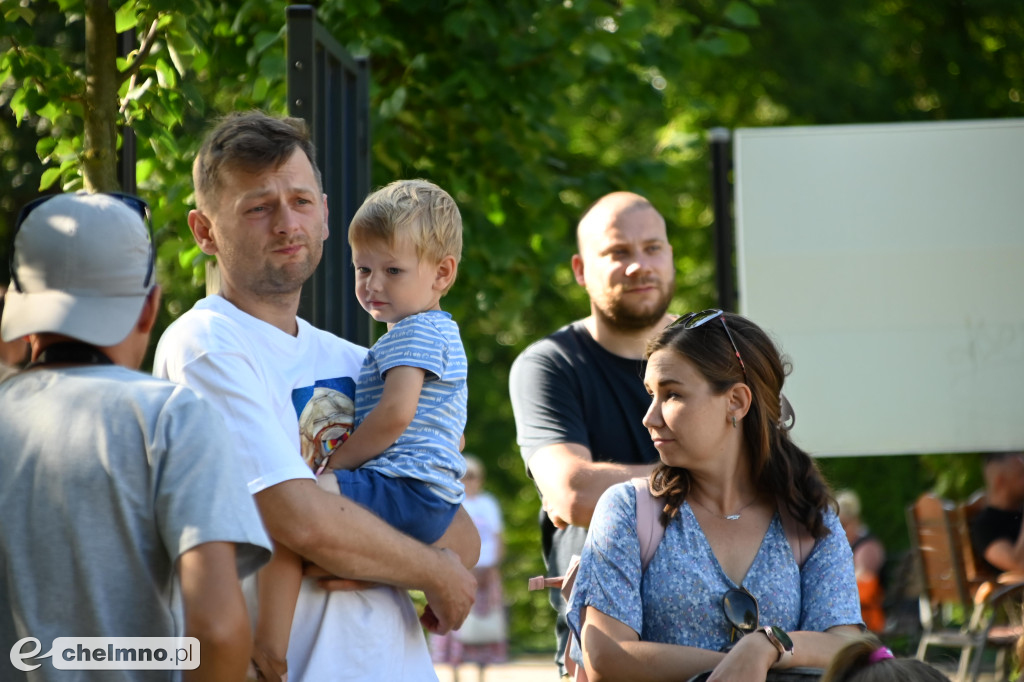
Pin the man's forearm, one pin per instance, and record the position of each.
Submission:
(344, 538)
(571, 483)
(592, 481)
(348, 541)
(215, 612)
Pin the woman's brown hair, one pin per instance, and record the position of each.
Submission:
(788, 473)
(860, 661)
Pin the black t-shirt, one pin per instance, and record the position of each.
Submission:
(566, 388)
(993, 524)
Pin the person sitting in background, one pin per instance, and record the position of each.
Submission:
(996, 530)
(753, 572)
(868, 560)
(866, 659)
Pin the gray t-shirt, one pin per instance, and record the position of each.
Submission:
(107, 476)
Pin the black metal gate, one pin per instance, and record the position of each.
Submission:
(331, 91)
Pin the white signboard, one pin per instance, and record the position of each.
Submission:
(888, 262)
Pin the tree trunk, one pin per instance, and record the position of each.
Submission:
(99, 158)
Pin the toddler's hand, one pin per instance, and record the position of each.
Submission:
(429, 620)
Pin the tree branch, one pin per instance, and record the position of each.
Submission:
(131, 70)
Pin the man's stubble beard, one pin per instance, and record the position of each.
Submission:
(619, 315)
(285, 280)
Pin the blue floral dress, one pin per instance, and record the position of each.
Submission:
(678, 600)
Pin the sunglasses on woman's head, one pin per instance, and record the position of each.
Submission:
(694, 320)
(740, 608)
(130, 200)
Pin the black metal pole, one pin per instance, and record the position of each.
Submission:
(127, 156)
(330, 90)
(720, 140)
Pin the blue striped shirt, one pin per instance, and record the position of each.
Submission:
(428, 450)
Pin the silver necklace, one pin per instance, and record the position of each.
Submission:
(727, 517)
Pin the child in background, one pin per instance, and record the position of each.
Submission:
(866, 659)
(403, 459)
(488, 644)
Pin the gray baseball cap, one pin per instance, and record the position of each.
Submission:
(82, 266)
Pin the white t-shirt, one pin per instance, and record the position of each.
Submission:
(486, 515)
(265, 382)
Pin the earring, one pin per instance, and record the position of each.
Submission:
(734, 421)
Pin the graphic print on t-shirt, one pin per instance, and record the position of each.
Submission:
(326, 412)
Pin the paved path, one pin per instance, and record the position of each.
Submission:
(530, 669)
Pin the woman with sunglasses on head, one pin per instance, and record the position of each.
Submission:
(751, 544)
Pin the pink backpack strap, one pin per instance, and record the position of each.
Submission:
(648, 521)
(649, 532)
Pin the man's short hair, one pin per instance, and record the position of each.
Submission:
(415, 209)
(252, 141)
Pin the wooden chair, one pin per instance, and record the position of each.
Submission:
(952, 579)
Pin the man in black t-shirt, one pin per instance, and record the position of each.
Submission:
(996, 530)
(578, 394)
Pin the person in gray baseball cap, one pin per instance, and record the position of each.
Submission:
(82, 266)
(124, 519)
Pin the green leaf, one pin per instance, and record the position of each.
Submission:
(19, 12)
(50, 176)
(260, 87)
(44, 147)
(194, 95)
(723, 42)
(188, 257)
(176, 58)
(66, 146)
(390, 107)
(419, 62)
(143, 169)
(599, 52)
(742, 14)
(537, 243)
(124, 18)
(272, 66)
(18, 105)
(166, 76)
(496, 216)
(264, 39)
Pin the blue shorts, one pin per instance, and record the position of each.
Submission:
(405, 503)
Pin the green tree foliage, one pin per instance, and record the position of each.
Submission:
(526, 111)
(194, 60)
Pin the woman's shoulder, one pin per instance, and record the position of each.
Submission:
(830, 518)
(616, 505)
(621, 495)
